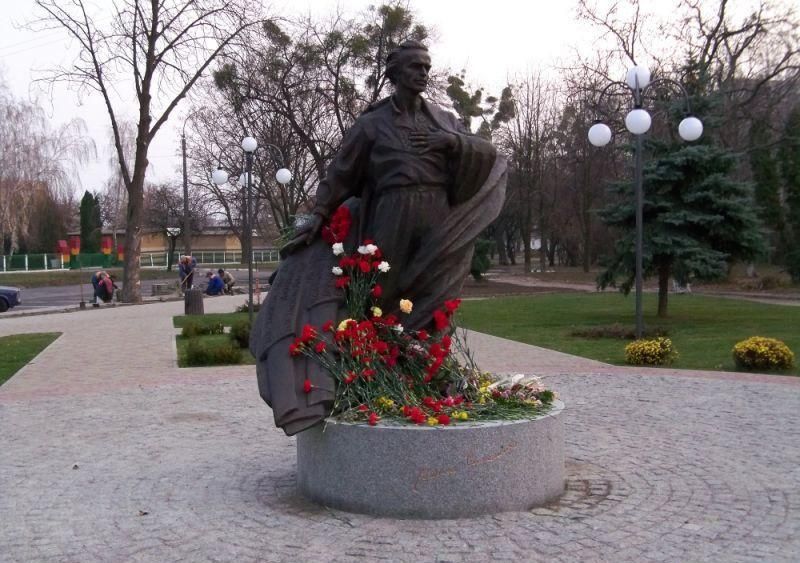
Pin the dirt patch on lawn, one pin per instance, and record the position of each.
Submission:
(488, 288)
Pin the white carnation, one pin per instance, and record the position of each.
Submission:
(337, 271)
(398, 328)
(363, 250)
(338, 248)
(383, 266)
(371, 249)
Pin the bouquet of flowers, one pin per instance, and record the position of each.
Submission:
(383, 371)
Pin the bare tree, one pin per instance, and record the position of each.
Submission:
(163, 205)
(526, 139)
(115, 199)
(35, 163)
(162, 48)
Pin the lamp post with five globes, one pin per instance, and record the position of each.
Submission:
(637, 122)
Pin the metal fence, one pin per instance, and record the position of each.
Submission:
(44, 262)
(28, 262)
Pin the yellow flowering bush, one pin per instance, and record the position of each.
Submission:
(650, 352)
(759, 352)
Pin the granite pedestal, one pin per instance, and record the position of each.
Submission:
(456, 471)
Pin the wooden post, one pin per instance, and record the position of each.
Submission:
(193, 302)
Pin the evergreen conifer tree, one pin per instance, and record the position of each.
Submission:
(91, 223)
(696, 217)
(790, 171)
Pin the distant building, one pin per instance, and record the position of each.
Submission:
(210, 238)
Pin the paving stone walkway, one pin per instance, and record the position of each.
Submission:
(109, 452)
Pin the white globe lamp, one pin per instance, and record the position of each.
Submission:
(638, 121)
(690, 129)
(599, 134)
(638, 77)
(219, 176)
(249, 144)
(283, 176)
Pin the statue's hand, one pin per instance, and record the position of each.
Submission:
(304, 236)
(433, 140)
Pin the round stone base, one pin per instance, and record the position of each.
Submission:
(455, 471)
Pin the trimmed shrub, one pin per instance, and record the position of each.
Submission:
(650, 352)
(480, 258)
(760, 353)
(240, 333)
(197, 328)
(200, 353)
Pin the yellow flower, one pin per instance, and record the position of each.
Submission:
(376, 311)
(343, 324)
(385, 402)
(460, 415)
(406, 306)
(432, 421)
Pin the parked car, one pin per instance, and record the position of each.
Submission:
(9, 297)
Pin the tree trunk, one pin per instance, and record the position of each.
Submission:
(663, 287)
(193, 302)
(131, 288)
(500, 245)
(526, 246)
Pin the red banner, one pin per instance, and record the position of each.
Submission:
(106, 244)
(75, 245)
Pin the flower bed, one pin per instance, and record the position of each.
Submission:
(650, 352)
(758, 352)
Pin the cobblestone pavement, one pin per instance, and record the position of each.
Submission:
(111, 453)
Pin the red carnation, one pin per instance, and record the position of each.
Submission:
(443, 419)
(342, 282)
(363, 408)
(423, 335)
(373, 419)
(377, 291)
(446, 341)
(364, 266)
(452, 305)
(295, 348)
(328, 326)
(440, 320)
(320, 347)
(309, 332)
(351, 376)
(307, 387)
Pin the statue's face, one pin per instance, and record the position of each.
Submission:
(413, 74)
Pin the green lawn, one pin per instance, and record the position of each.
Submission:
(703, 329)
(226, 319)
(72, 277)
(19, 349)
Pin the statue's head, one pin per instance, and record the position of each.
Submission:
(408, 66)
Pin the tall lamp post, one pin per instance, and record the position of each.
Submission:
(187, 225)
(637, 122)
(219, 177)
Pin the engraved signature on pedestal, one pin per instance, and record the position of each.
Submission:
(425, 474)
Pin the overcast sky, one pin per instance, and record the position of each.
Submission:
(491, 39)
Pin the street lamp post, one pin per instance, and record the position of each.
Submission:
(219, 177)
(637, 122)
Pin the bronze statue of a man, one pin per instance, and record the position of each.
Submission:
(422, 189)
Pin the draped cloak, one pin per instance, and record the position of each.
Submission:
(303, 291)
